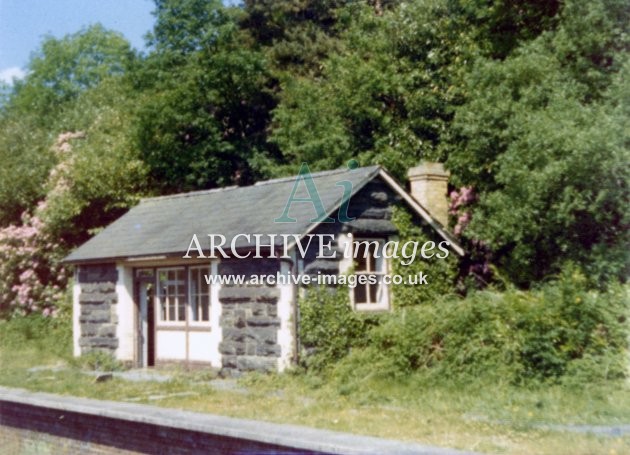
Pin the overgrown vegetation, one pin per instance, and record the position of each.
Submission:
(329, 328)
(560, 333)
(50, 336)
(443, 273)
(526, 104)
(481, 416)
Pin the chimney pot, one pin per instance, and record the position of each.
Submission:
(429, 186)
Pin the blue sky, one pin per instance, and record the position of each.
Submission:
(23, 24)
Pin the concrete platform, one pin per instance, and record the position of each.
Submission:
(43, 412)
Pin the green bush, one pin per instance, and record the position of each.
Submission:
(442, 273)
(329, 327)
(53, 335)
(456, 338)
(560, 330)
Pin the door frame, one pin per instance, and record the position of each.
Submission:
(145, 324)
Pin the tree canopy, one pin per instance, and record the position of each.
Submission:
(525, 102)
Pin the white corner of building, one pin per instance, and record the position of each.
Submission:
(76, 314)
(215, 319)
(286, 335)
(125, 314)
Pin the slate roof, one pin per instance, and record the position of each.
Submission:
(165, 225)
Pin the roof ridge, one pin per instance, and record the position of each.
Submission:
(313, 174)
(191, 193)
(261, 183)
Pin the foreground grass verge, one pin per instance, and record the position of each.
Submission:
(488, 418)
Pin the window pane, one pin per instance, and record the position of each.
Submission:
(194, 278)
(360, 293)
(371, 263)
(360, 260)
(171, 309)
(161, 296)
(205, 308)
(199, 294)
(379, 265)
(373, 293)
(194, 308)
(172, 294)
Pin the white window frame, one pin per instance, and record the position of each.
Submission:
(382, 269)
(205, 270)
(158, 302)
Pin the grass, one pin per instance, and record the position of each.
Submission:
(488, 418)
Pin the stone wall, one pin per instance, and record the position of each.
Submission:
(249, 319)
(97, 301)
(372, 208)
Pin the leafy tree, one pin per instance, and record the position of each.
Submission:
(203, 119)
(500, 26)
(185, 26)
(98, 173)
(297, 35)
(386, 96)
(69, 165)
(543, 140)
(58, 73)
(63, 68)
(26, 160)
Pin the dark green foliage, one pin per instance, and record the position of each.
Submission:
(185, 26)
(441, 273)
(560, 332)
(543, 140)
(296, 35)
(385, 96)
(329, 327)
(206, 106)
(26, 161)
(538, 130)
(549, 334)
(501, 25)
(99, 175)
(525, 102)
(60, 73)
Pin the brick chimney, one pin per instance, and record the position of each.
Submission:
(429, 186)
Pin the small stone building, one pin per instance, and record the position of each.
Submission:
(148, 287)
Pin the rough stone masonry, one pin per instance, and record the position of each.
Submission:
(97, 301)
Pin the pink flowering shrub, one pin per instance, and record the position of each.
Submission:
(460, 207)
(32, 279)
(478, 260)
